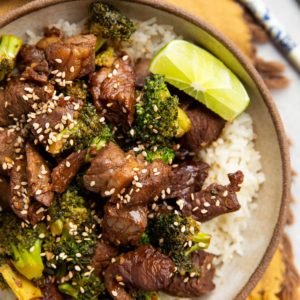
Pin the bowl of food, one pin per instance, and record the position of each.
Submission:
(142, 156)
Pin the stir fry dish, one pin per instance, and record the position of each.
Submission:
(102, 191)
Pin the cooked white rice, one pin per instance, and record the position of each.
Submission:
(234, 150)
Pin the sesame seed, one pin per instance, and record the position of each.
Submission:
(202, 245)
(225, 194)
(186, 280)
(217, 203)
(114, 293)
(72, 69)
(182, 229)
(58, 60)
(42, 236)
(77, 268)
(139, 185)
(92, 183)
(78, 255)
(125, 57)
(155, 108)
(24, 212)
(132, 132)
(203, 211)
(81, 290)
(68, 164)
(38, 192)
(195, 208)
(25, 97)
(206, 204)
(53, 266)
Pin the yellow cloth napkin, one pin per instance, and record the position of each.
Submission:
(227, 17)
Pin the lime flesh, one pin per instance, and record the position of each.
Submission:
(202, 76)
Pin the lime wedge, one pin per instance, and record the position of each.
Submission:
(201, 75)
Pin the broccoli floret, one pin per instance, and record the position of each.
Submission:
(164, 153)
(106, 58)
(178, 237)
(87, 131)
(78, 90)
(105, 20)
(75, 234)
(156, 113)
(184, 123)
(84, 287)
(22, 245)
(10, 46)
(22, 288)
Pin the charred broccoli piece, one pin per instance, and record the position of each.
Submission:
(21, 287)
(84, 287)
(74, 233)
(106, 58)
(10, 46)
(78, 90)
(164, 153)
(144, 295)
(22, 244)
(178, 237)
(106, 21)
(87, 131)
(156, 113)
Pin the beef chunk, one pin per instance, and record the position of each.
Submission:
(102, 257)
(188, 177)
(75, 56)
(39, 177)
(144, 268)
(4, 195)
(149, 183)
(8, 140)
(18, 189)
(141, 71)
(36, 212)
(66, 170)
(198, 285)
(123, 225)
(113, 89)
(50, 291)
(213, 201)
(206, 127)
(110, 171)
(53, 31)
(33, 64)
(19, 98)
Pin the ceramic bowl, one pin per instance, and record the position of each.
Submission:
(262, 234)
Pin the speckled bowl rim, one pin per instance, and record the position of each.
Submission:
(246, 63)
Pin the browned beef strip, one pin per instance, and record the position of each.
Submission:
(144, 268)
(113, 89)
(110, 171)
(20, 200)
(123, 225)
(206, 127)
(141, 71)
(67, 169)
(153, 180)
(8, 140)
(188, 177)
(45, 124)
(33, 64)
(198, 285)
(39, 177)
(213, 201)
(4, 194)
(50, 291)
(19, 101)
(102, 257)
(75, 55)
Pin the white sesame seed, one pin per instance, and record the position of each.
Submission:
(217, 203)
(42, 236)
(68, 164)
(203, 211)
(195, 208)
(92, 183)
(114, 293)
(77, 268)
(78, 255)
(72, 69)
(58, 60)
(206, 204)
(38, 192)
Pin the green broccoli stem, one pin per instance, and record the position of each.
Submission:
(68, 289)
(29, 263)
(200, 241)
(57, 227)
(10, 46)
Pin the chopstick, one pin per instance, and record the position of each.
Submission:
(270, 22)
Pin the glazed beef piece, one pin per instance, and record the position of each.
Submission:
(113, 89)
(102, 257)
(39, 177)
(51, 292)
(67, 169)
(8, 140)
(19, 98)
(213, 201)
(33, 64)
(75, 56)
(110, 171)
(149, 183)
(5, 194)
(188, 177)
(198, 285)
(144, 268)
(141, 71)
(19, 200)
(124, 225)
(206, 127)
